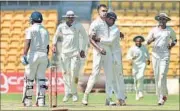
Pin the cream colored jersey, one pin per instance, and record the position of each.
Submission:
(140, 54)
(70, 37)
(99, 27)
(39, 38)
(113, 40)
(162, 39)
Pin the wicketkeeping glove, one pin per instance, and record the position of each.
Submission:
(24, 60)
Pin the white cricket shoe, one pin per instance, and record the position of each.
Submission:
(85, 99)
(140, 94)
(75, 98)
(109, 102)
(67, 97)
(137, 97)
(161, 102)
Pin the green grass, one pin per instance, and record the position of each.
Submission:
(96, 102)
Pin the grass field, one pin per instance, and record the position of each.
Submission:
(96, 102)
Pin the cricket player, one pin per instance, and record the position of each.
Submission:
(102, 56)
(69, 32)
(163, 38)
(139, 56)
(35, 59)
(113, 41)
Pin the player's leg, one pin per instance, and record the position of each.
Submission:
(140, 79)
(29, 77)
(155, 64)
(66, 67)
(75, 69)
(118, 75)
(97, 58)
(164, 65)
(108, 70)
(40, 81)
(134, 73)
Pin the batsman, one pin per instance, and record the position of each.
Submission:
(35, 59)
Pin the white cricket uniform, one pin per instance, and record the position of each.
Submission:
(37, 55)
(38, 60)
(101, 29)
(70, 53)
(140, 55)
(117, 75)
(161, 56)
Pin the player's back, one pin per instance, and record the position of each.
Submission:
(114, 32)
(39, 38)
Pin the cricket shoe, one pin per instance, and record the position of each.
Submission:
(161, 102)
(164, 98)
(109, 102)
(27, 103)
(67, 97)
(75, 98)
(140, 94)
(121, 102)
(85, 99)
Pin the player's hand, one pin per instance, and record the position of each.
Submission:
(151, 40)
(24, 60)
(121, 35)
(102, 51)
(53, 48)
(82, 54)
(169, 46)
(148, 62)
(96, 39)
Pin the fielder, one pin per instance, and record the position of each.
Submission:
(35, 59)
(113, 41)
(139, 56)
(102, 56)
(70, 53)
(164, 39)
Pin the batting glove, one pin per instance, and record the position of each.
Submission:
(24, 60)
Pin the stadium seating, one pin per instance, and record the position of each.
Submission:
(13, 26)
(142, 22)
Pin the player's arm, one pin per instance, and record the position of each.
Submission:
(85, 40)
(111, 39)
(55, 38)
(173, 39)
(129, 55)
(27, 44)
(147, 56)
(92, 33)
(95, 45)
(150, 38)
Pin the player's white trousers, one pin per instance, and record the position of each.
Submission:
(138, 73)
(70, 69)
(100, 61)
(35, 70)
(118, 79)
(160, 68)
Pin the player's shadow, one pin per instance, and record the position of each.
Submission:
(75, 105)
(140, 105)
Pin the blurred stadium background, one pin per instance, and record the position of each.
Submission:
(134, 18)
